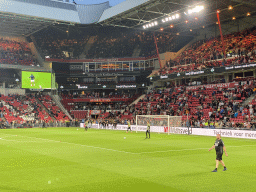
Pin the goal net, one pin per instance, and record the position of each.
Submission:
(159, 123)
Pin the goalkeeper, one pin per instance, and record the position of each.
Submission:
(148, 130)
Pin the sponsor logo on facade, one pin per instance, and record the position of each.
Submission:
(125, 86)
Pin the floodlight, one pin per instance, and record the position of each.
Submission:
(177, 16)
(196, 9)
(156, 23)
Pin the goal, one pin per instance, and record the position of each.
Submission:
(159, 123)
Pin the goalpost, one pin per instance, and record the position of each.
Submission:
(159, 123)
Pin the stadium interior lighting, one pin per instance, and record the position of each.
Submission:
(233, 18)
(152, 24)
(230, 7)
(186, 21)
(190, 30)
(171, 26)
(196, 18)
(218, 11)
(248, 14)
(170, 18)
(161, 29)
(196, 9)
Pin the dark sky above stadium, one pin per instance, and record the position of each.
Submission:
(111, 2)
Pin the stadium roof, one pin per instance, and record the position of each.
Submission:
(24, 17)
(146, 11)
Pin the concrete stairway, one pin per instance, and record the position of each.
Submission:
(136, 51)
(36, 53)
(247, 101)
(38, 101)
(137, 100)
(35, 49)
(57, 99)
(88, 46)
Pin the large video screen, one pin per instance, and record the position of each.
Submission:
(36, 80)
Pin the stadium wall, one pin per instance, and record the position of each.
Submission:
(6, 91)
(13, 38)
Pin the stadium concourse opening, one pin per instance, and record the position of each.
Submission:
(82, 88)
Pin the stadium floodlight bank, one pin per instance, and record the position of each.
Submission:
(159, 123)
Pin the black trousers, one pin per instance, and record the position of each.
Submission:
(148, 133)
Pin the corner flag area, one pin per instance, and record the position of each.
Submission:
(71, 159)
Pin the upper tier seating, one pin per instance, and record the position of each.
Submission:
(14, 52)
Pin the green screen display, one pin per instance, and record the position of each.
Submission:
(36, 80)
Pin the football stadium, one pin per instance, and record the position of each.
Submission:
(127, 95)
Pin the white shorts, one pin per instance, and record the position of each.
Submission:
(32, 81)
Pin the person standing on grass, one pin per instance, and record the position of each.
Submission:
(219, 146)
(86, 125)
(148, 130)
(129, 126)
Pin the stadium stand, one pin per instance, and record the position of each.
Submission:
(14, 52)
(79, 109)
(240, 48)
(55, 47)
(111, 44)
(204, 107)
(21, 109)
(52, 107)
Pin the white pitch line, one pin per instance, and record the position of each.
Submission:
(72, 144)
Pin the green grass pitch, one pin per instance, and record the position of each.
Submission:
(71, 160)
